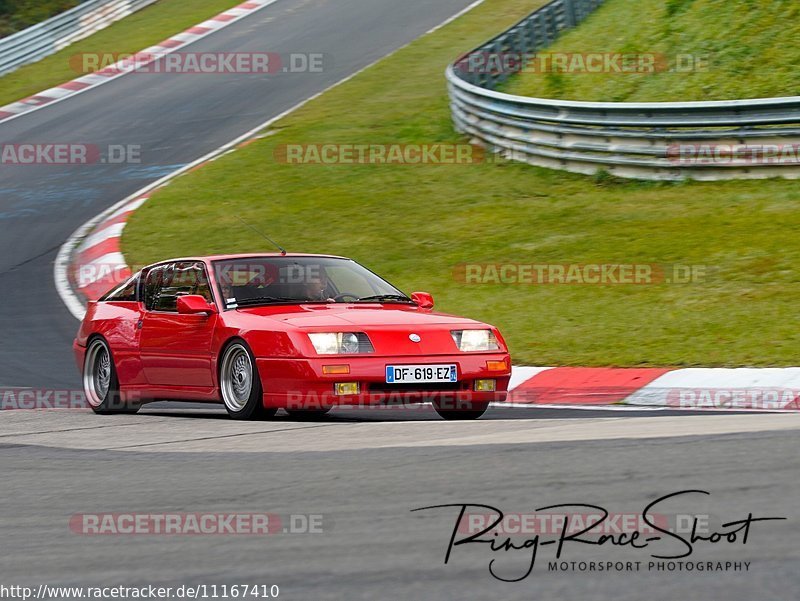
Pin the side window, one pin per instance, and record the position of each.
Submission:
(167, 282)
(124, 292)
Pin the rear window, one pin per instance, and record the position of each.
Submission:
(125, 292)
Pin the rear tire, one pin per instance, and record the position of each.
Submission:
(100, 382)
(472, 411)
(240, 384)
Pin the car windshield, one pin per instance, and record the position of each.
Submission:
(271, 280)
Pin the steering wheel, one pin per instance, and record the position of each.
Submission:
(341, 297)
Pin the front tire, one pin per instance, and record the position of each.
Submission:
(474, 410)
(100, 382)
(240, 384)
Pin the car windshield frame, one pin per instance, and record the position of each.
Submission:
(272, 300)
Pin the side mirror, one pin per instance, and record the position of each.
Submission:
(194, 304)
(422, 299)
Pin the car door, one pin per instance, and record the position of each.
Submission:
(119, 314)
(175, 349)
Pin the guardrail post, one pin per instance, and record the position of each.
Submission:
(532, 25)
(570, 15)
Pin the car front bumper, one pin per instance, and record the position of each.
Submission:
(301, 383)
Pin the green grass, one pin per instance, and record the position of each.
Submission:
(144, 28)
(748, 49)
(414, 224)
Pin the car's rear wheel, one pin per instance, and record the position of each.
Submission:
(461, 410)
(100, 382)
(240, 384)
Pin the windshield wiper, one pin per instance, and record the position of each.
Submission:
(385, 297)
(265, 299)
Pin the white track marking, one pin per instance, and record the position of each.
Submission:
(112, 231)
(523, 374)
(639, 408)
(449, 20)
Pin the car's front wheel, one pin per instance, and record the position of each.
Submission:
(100, 383)
(461, 410)
(240, 384)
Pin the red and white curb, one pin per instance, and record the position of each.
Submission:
(742, 389)
(98, 261)
(129, 64)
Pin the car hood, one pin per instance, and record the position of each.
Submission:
(389, 327)
(358, 316)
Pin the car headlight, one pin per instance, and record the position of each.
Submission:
(475, 340)
(341, 343)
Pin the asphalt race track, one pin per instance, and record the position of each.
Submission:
(364, 477)
(362, 471)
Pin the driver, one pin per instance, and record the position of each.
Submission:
(317, 286)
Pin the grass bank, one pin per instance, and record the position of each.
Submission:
(702, 50)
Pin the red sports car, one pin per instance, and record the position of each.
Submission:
(298, 332)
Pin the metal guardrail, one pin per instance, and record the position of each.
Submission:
(47, 37)
(659, 140)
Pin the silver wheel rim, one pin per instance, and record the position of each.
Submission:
(97, 373)
(236, 378)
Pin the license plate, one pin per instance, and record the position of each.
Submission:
(412, 374)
